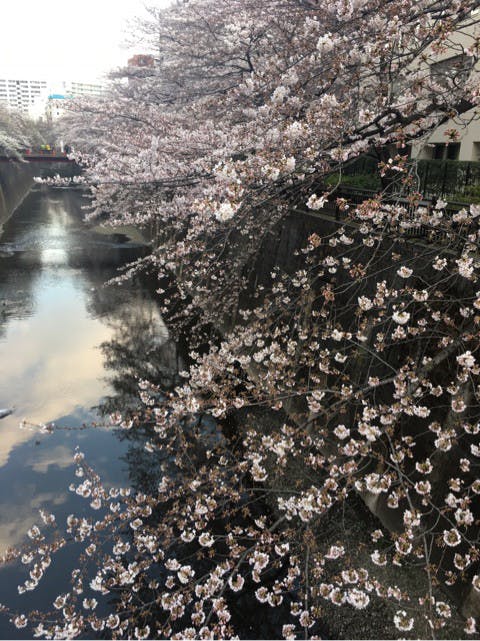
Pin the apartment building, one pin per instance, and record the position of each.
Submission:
(76, 89)
(21, 94)
(459, 137)
(44, 98)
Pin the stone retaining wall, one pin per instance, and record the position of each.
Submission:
(16, 180)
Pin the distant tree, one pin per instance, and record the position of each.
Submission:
(17, 133)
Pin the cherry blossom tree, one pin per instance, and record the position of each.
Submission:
(347, 368)
(17, 133)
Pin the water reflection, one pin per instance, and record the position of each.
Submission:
(68, 343)
(54, 315)
(49, 357)
(49, 361)
(56, 252)
(139, 349)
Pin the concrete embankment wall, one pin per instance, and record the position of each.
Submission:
(16, 180)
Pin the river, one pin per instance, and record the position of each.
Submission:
(67, 343)
(72, 349)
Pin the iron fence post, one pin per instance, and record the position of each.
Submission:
(444, 180)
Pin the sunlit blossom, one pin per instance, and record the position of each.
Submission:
(401, 317)
(451, 537)
(403, 622)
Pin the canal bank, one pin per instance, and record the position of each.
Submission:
(16, 180)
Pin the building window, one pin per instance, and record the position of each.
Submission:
(452, 70)
(442, 151)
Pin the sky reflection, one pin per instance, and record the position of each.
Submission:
(55, 317)
(50, 362)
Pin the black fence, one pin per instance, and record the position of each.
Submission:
(449, 178)
(410, 222)
(454, 179)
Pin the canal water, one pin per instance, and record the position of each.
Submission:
(72, 350)
(67, 345)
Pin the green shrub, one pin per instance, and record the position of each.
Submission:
(361, 181)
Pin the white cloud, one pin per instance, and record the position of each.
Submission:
(18, 517)
(59, 456)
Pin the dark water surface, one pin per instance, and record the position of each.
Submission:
(67, 345)
(54, 315)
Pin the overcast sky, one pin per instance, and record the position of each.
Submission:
(65, 39)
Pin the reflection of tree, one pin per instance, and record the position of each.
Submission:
(16, 299)
(16, 277)
(140, 348)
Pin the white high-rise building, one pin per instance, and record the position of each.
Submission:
(21, 94)
(84, 89)
(40, 98)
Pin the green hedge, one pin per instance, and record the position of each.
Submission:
(361, 181)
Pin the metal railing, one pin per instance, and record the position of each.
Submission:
(410, 224)
(441, 178)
